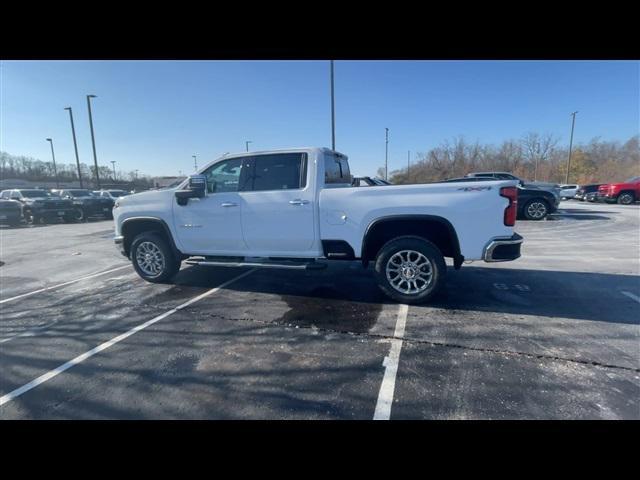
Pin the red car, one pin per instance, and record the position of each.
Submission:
(624, 193)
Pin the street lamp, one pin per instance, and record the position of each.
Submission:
(573, 123)
(55, 171)
(386, 155)
(75, 144)
(93, 139)
(195, 163)
(333, 113)
(246, 144)
(113, 162)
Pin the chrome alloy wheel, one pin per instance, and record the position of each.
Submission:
(537, 210)
(150, 259)
(409, 272)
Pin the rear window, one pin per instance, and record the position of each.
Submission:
(336, 169)
(281, 171)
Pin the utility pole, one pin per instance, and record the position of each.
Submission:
(75, 144)
(195, 163)
(408, 163)
(113, 162)
(246, 144)
(93, 140)
(573, 123)
(333, 113)
(55, 171)
(386, 155)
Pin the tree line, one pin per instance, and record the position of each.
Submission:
(28, 168)
(533, 157)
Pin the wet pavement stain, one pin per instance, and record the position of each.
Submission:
(321, 309)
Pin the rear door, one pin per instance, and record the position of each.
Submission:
(278, 205)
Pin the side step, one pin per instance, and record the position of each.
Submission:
(260, 264)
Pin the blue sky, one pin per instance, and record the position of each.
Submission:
(154, 115)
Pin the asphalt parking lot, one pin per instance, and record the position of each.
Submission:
(553, 335)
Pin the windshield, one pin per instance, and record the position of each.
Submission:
(633, 180)
(35, 193)
(79, 193)
(118, 193)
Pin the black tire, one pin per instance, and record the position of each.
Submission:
(536, 209)
(32, 218)
(78, 215)
(626, 198)
(165, 262)
(392, 251)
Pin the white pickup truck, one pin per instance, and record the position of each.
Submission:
(297, 209)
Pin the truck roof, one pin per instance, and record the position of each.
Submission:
(282, 150)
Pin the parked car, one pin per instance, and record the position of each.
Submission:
(551, 187)
(112, 194)
(533, 203)
(591, 197)
(38, 205)
(624, 193)
(583, 190)
(87, 205)
(10, 212)
(368, 182)
(568, 191)
(296, 208)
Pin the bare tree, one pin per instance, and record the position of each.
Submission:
(537, 149)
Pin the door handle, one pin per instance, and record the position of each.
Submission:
(228, 204)
(298, 201)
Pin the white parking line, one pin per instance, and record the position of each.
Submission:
(103, 346)
(63, 284)
(631, 296)
(385, 396)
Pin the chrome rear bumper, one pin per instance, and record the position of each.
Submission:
(503, 249)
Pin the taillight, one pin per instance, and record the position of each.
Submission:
(512, 209)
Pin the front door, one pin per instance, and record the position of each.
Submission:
(212, 225)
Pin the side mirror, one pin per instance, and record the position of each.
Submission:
(197, 188)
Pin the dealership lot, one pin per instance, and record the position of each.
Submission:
(555, 334)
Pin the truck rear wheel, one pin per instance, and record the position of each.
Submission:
(153, 259)
(410, 269)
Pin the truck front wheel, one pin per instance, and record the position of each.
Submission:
(410, 269)
(625, 198)
(153, 259)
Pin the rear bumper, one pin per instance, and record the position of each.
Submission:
(503, 249)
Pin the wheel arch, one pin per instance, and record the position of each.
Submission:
(438, 230)
(134, 226)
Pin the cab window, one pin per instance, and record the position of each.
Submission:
(224, 176)
(281, 171)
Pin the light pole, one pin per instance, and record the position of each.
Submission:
(246, 144)
(75, 144)
(195, 163)
(113, 162)
(386, 154)
(55, 171)
(93, 139)
(573, 123)
(333, 113)
(408, 163)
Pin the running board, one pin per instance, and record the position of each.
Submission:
(287, 265)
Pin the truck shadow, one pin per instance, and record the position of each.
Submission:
(346, 297)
